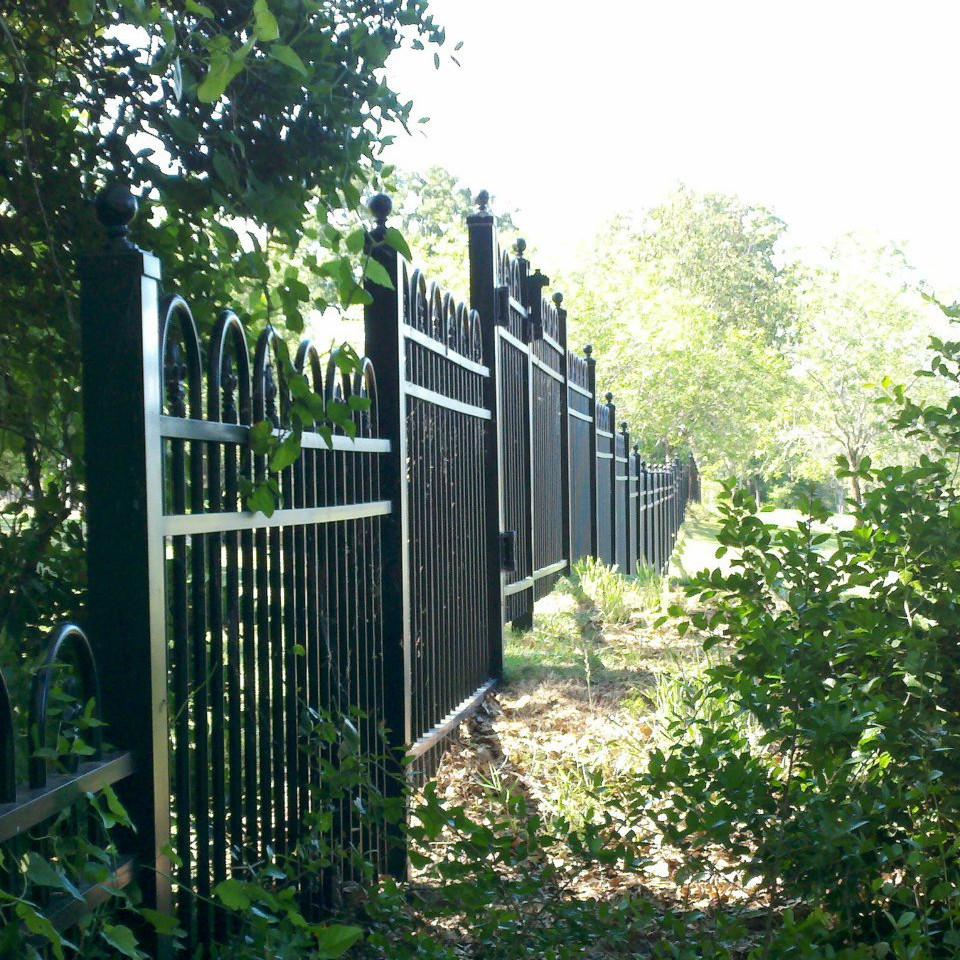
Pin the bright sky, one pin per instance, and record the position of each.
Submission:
(838, 115)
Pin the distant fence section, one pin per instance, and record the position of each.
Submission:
(484, 465)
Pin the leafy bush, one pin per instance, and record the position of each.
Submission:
(848, 801)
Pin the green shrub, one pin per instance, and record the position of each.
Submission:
(848, 800)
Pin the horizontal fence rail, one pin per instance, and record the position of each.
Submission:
(46, 773)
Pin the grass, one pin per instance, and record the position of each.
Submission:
(697, 544)
(587, 693)
(602, 679)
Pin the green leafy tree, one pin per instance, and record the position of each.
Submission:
(431, 208)
(722, 253)
(686, 309)
(242, 125)
(862, 321)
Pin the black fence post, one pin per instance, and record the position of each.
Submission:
(643, 510)
(594, 501)
(384, 346)
(638, 525)
(630, 562)
(657, 504)
(664, 516)
(125, 553)
(614, 512)
(484, 295)
(531, 287)
(565, 498)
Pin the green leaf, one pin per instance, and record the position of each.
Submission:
(165, 924)
(233, 894)
(260, 436)
(116, 807)
(38, 924)
(41, 872)
(375, 271)
(334, 941)
(200, 9)
(262, 499)
(394, 238)
(288, 57)
(83, 10)
(121, 938)
(355, 240)
(214, 84)
(265, 23)
(287, 452)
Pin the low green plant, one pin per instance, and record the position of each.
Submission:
(618, 598)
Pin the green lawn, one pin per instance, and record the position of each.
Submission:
(697, 545)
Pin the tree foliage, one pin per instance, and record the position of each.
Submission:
(432, 207)
(242, 125)
(862, 321)
(765, 367)
(687, 308)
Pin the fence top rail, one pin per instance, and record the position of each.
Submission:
(578, 371)
(229, 389)
(437, 314)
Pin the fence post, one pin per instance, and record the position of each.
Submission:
(384, 346)
(566, 534)
(656, 512)
(125, 552)
(611, 407)
(643, 495)
(627, 552)
(639, 519)
(594, 502)
(484, 296)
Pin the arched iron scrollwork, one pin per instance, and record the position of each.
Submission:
(180, 359)
(228, 396)
(550, 319)
(271, 401)
(365, 385)
(308, 363)
(602, 416)
(338, 388)
(451, 324)
(435, 314)
(416, 317)
(78, 682)
(511, 274)
(476, 340)
(463, 344)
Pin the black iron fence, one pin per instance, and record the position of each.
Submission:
(483, 466)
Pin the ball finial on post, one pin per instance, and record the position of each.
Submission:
(115, 207)
(380, 205)
(483, 198)
(520, 246)
(623, 426)
(609, 398)
(557, 299)
(588, 351)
